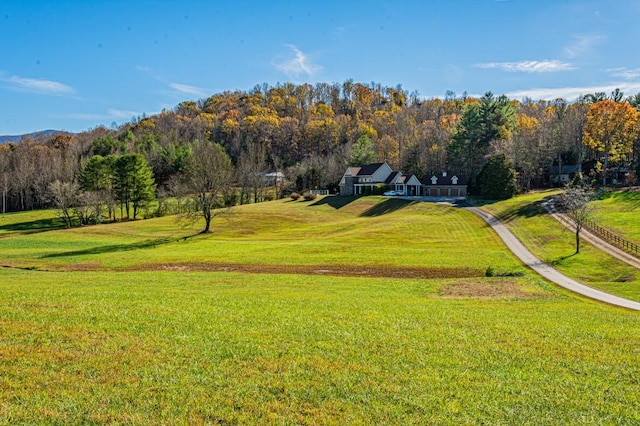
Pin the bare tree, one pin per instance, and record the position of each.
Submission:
(64, 196)
(4, 176)
(252, 167)
(208, 174)
(574, 203)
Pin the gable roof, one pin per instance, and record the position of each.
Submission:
(391, 177)
(408, 179)
(352, 171)
(443, 180)
(369, 169)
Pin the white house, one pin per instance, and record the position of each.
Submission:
(363, 180)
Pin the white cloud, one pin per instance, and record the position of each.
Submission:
(189, 90)
(572, 93)
(296, 65)
(122, 114)
(111, 114)
(625, 73)
(528, 66)
(34, 85)
(582, 44)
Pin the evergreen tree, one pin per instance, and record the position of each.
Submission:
(497, 179)
(362, 152)
(133, 182)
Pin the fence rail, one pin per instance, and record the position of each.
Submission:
(612, 238)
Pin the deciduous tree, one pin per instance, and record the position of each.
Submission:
(574, 202)
(64, 196)
(611, 129)
(208, 173)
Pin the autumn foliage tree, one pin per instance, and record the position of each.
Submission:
(611, 129)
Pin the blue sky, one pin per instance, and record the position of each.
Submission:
(74, 65)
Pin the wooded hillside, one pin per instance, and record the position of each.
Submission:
(308, 132)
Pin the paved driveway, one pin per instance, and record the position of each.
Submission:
(547, 271)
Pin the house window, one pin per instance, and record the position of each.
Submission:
(454, 180)
(434, 180)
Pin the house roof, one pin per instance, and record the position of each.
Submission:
(443, 180)
(352, 171)
(409, 177)
(369, 169)
(391, 177)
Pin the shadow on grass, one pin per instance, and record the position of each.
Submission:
(335, 201)
(40, 225)
(386, 207)
(114, 248)
(528, 210)
(558, 261)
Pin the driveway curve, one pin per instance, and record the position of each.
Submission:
(547, 271)
(592, 239)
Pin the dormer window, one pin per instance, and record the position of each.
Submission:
(454, 180)
(434, 180)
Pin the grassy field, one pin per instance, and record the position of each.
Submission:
(618, 212)
(331, 232)
(335, 312)
(555, 245)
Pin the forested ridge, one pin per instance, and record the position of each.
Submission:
(310, 133)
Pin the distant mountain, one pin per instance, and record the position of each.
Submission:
(18, 138)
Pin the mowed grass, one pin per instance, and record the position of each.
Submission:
(116, 324)
(29, 222)
(330, 231)
(224, 348)
(555, 245)
(619, 212)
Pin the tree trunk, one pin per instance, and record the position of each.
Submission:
(577, 240)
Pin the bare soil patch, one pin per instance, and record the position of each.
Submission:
(485, 289)
(381, 271)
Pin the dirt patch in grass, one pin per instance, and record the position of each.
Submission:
(381, 271)
(79, 267)
(485, 289)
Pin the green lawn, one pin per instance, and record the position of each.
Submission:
(372, 231)
(256, 348)
(555, 245)
(28, 222)
(102, 331)
(619, 212)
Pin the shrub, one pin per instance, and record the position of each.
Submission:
(309, 196)
(295, 196)
(230, 199)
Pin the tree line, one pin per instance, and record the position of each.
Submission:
(309, 133)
